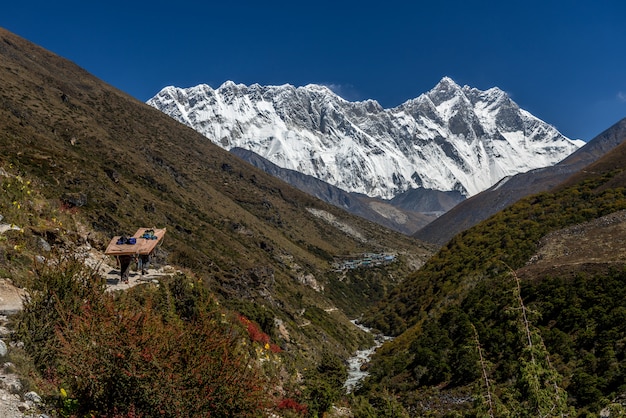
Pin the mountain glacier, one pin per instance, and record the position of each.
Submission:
(450, 138)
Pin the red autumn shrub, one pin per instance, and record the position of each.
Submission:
(254, 332)
(120, 355)
(292, 404)
(130, 413)
(275, 349)
(163, 352)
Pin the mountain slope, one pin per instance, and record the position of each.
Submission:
(405, 213)
(115, 164)
(451, 138)
(511, 189)
(530, 299)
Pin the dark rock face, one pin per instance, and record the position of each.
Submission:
(74, 199)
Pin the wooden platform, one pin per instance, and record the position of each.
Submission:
(143, 246)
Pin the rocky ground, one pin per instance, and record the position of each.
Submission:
(12, 405)
(13, 402)
(590, 247)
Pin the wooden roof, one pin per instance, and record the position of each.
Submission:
(143, 246)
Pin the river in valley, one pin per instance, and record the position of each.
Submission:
(356, 364)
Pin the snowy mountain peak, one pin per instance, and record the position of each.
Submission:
(321, 89)
(446, 83)
(444, 91)
(450, 138)
(230, 84)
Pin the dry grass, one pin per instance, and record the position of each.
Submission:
(592, 247)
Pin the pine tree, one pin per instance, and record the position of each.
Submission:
(540, 380)
(487, 405)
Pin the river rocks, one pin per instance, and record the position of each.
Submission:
(359, 362)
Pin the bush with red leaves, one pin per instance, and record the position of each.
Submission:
(293, 405)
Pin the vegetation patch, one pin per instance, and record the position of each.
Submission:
(515, 346)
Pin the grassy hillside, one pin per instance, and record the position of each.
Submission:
(82, 161)
(520, 315)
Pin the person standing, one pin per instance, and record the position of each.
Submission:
(125, 267)
(144, 260)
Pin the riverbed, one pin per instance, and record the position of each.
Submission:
(356, 369)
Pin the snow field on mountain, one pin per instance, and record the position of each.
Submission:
(450, 138)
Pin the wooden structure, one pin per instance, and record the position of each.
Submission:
(146, 240)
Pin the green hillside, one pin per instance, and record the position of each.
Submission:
(519, 316)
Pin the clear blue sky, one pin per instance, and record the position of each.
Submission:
(564, 61)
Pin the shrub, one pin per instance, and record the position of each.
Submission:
(324, 385)
(292, 405)
(123, 356)
(60, 287)
(133, 355)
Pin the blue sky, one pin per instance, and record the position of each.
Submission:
(564, 61)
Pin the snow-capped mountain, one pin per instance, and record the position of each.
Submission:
(450, 138)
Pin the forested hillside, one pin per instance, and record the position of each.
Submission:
(521, 315)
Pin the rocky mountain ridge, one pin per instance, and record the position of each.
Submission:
(451, 138)
(406, 213)
(511, 189)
